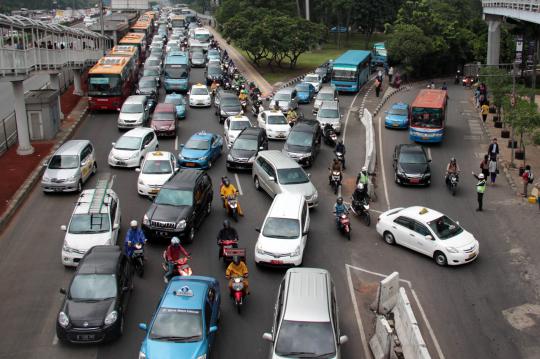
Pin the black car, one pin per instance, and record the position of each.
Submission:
(245, 148)
(229, 105)
(148, 86)
(213, 73)
(181, 205)
(304, 142)
(95, 302)
(324, 71)
(411, 165)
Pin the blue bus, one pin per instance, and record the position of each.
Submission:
(379, 54)
(176, 72)
(351, 70)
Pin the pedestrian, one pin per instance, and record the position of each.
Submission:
(377, 87)
(390, 74)
(493, 170)
(480, 189)
(484, 166)
(484, 110)
(493, 149)
(380, 76)
(527, 178)
(477, 97)
(536, 192)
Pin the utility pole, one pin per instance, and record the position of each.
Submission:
(102, 25)
(513, 104)
(307, 10)
(533, 80)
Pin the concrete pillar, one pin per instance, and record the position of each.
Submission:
(55, 85)
(494, 38)
(77, 89)
(23, 134)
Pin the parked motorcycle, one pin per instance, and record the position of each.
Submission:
(335, 180)
(452, 183)
(238, 292)
(361, 209)
(137, 258)
(329, 135)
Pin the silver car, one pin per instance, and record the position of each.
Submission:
(327, 93)
(134, 113)
(286, 99)
(329, 113)
(69, 167)
(275, 172)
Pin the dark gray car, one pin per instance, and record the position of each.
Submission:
(148, 86)
(229, 105)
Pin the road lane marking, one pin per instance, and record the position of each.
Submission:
(238, 184)
(348, 115)
(367, 351)
(430, 330)
(176, 143)
(381, 156)
(55, 339)
(429, 152)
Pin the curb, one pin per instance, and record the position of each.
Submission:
(22, 193)
(386, 97)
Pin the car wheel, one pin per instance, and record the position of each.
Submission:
(257, 184)
(440, 259)
(94, 168)
(79, 186)
(121, 328)
(389, 238)
(191, 235)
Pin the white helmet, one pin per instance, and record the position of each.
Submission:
(175, 241)
(481, 176)
(360, 186)
(133, 223)
(364, 169)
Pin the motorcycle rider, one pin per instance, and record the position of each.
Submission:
(363, 177)
(227, 189)
(292, 116)
(340, 147)
(134, 235)
(360, 193)
(214, 87)
(173, 253)
(336, 167)
(339, 209)
(237, 268)
(227, 233)
(452, 167)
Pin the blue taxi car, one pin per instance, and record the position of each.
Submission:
(179, 102)
(305, 92)
(185, 322)
(201, 150)
(397, 116)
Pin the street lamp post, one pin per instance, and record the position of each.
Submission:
(102, 25)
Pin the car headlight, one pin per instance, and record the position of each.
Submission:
(315, 195)
(71, 179)
(111, 317)
(296, 252)
(145, 220)
(229, 157)
(223, 113)
(141, 182)
(63, 319)
(142, 355)
(452, 249)
(259, 250)
(67, 248)
(251, 159)
(203, 158)
(135, 154)
(46, 179)
(181, 224)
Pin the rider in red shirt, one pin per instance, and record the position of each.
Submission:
(174, 252)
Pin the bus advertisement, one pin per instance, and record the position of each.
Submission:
(428, 116)
(176, 72)
(138, 40)
(351, 70)
(130, 51)
(110, 82)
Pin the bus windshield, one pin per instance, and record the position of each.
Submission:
(104, 85)
(427, 117)
(176, 71)
(344, 74)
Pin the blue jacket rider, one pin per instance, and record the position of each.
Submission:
(134, 235)
(339, 208)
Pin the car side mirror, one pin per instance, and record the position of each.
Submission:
(182, 145)
(213, 329)
(343, 339)
(63, 227)
(45, 163)
(429, 160)
(142, 326)
(271, 178)
(258, 230)
(125, 289)
(116, 226)
(429, 237)
(269, 337)
(138, 169)
(62, 291)
(113, 144)
(457, 222)
(309, 175)
(261, 148)
(305, 233)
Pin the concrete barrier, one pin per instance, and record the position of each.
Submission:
(381, 342)
(371, 154)
(388, 294)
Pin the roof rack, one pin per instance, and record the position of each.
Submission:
(103, 185)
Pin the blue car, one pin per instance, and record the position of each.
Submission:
(179, 102)
(185, 322)
(201, 151)
(305, 92)
(397, 116)
(213, 54)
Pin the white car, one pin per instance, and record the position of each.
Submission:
(283, 235)
(275, 123)
(129, 150)
(95, 221)
(156, 169)
(429, 232)
(233, 125)
(199, 96)
(315, 80)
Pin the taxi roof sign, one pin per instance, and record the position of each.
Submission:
(157, 153)
(185, 291)
(424, 210)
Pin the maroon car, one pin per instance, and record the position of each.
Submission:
(164, 120)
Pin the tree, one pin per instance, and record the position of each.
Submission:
(302, 36)
(524, 117)
(409, 45)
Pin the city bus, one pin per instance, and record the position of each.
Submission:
(138, 40)
(178, 21)
(142, 27)
(351, 70)
(176, 72)
(428, 116)
(129, 51)
(380, 55)
(110, 82)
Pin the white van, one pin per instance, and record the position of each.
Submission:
(283, 235)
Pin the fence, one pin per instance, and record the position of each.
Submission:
(8, 132)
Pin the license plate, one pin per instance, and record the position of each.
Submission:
(275, 261)
(281, 135)
(415, 180)
(120, 163)
(425, 138)
(190, 164)
(164, 234)
(395, 124)
(86, 337)
(153, 191)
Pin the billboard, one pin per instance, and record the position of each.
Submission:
(130, 4)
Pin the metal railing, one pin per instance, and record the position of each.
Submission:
(8, 132)
(521, 5)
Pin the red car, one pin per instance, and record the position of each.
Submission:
(164, 120)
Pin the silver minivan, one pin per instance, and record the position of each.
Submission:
(134, 112)
(306, 316)
(329, 113)
(327, 93)
(275, 172)
(286, 99)
(69, 167)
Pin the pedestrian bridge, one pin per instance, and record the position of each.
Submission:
(525, 10)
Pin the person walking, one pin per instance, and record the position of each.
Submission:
(480, 189)
(484, 166)
(390, 74)
(527, 177)
(484, 110)
(493, 170)
(493, 149)
(377, 87)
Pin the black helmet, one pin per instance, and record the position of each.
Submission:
(226, 224)
(226, 181)
(339, 200)
(340, 142)
(236, 260)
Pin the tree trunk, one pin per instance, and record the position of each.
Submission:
(298, 10)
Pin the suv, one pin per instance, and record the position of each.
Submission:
(245, 148)
(69, 167)
(95, 221)
(95, 302)
(411, 165)
(306, 316)
(181, 205)
(229, 105)
(329, 113)
(304, 142)
(286, 99)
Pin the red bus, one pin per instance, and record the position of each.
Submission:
(110, 82)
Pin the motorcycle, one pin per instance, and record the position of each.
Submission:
(181, 266)
(344, 224)
(224, 248)
(244, 105)
(457, 78)
(257, 106)
(238, 292)
(329, 135)
(231, 205)
(361, 209)
(340, 156)
(335, 180)
(452, 182)
(137, 258)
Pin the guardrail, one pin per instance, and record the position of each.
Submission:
(521, 5)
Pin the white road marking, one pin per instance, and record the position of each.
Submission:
(367, 351)
(55, 339)
(176, 143)
(348, 115)
(383, 172)
(429, 152)
(430, 330)
(238, 184)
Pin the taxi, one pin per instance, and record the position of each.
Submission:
(199, 96)
(397, 116)
(275, 124)
(232, 127)
(185, 322)
(156, 168)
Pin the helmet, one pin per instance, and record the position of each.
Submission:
(453, 160)
(226, 224)
(340, 142)
(175, 241)
(360, 186)
(364, 169)
(226, 181)
(236, 260)
(133, 223)
(339, 200)
(481, 176)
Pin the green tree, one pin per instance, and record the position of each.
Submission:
(409, 45)
(302, 36)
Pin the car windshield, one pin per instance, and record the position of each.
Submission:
(174, 197)
(197, 55)
(157, 167)
(412, 157)
(311, 79)
(151, 72)
(164, 116)
(277, 120)
(175, 100)
(328, 113)
(177, 325)
(132, 108)
(176, 71)
(194, 144)
(152, 62)
(93, 287)
(147, 84)
(199, 91)
(282, 97)
(239, 125)
(299, 138)
(292, 176)
(343, 75)
(303, 87)
(305, 340)
(59, 162)
(245, 144)
(445, 228)
(325, 96)
(128, 143)
(285, 228)
(214, 71)
(427, 117)
(398, 112)
(229, 102)
(89, 223)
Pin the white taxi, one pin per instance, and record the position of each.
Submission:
(429, 232)
(156, 169)
(275, 123)
(232, 127)
(199, 96)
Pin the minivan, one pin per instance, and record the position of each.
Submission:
(134, 112)
(327, 93)
(283, 235)
(286, 99)
(306, 316)
(275, 172)
(304, 142)
(329, 113)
